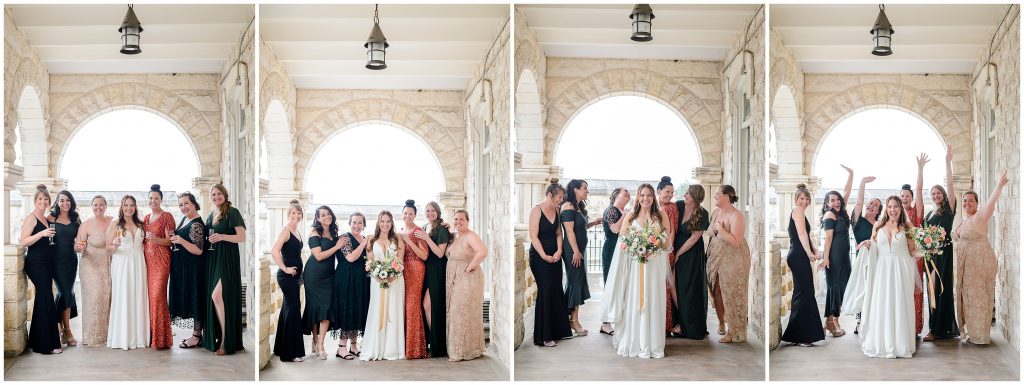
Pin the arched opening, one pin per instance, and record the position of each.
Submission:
(528, 135)
(276, 159)
(372, 167)
(30, 151)
(623, 141)
(784, 148)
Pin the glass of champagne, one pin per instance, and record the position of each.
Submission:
(53, 226)
(210, 232)
(120, 234)
(174, 245)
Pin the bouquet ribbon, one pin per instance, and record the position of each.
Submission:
(932, 271)
(383, 310)
(643, 267)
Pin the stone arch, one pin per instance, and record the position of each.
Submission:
(859, 98)
(529, 123)
(280, 150)
(443, 144)
(29, 83)
(786, 123)
(31, 124)
(197, 128)
(704, 120)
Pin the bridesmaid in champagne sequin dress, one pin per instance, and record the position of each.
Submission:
(158, 267)
(415, 271)
(95, 274)
(465, 292)
(975, 268)
(729, 264)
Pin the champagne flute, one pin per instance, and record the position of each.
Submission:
(120, 234)
(53, 226)
(174, 246)
(210, 235)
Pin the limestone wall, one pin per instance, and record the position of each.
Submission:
(22, 68)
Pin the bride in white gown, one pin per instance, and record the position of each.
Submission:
(129, 299)
(384, 335)
(641, 331)
(882, 287)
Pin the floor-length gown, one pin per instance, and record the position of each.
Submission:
(837, 274)
(384, 337)
(415, 272)
(318, 282)
(551, 316)
(95, 275)
(351, 293)
(918, 291)
(187, 287)
(577, 291)
(729, 267)
(288, 343)
(885, 297)
(43, 336)
(224, 267)
(974, 285)
(465, 305)
(942, 318)
(434, 284)
(672, 211)
(158, 272)
(129, 299)
(613, 300)
(611, 215)
(804, 325)
(642, 333)
(66, 262)
(691, 281)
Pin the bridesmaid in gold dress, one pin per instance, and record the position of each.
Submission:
(729, 265)
(95, 274)
(465, 289)
(974, 267)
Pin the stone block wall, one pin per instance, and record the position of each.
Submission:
(22, 68)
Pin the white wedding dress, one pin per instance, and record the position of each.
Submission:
(881, 288)
(613, 301)
(641, 332)
(129, 298)
(384, 335)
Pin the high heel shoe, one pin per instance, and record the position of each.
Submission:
(579, 330)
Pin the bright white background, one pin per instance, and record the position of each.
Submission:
(627, 137)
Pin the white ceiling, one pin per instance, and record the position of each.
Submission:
(681, 32)
(431, 46)
(928, 38)
(175, 38)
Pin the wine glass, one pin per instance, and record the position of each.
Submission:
(53, 226)
(210, 235)
(174, 246)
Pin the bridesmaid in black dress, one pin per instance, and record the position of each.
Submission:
(43, 336)
(551, 317)
(287, 252)
(691, 266)
(319, 277)
(187, 283)
(837, 265)
(64, 215)
(804, 326)
(942, 317)
(574, 233)
(437, 237)
(351, 290)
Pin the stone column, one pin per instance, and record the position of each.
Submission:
(15, 282)
(522, 286)
(776, 288)
(266, 324)
(451, 201)
(785, 187)
(277, 211)
(711, 179)
(27, 188)
(203, 185)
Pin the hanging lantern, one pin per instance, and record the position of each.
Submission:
(642, 15)
(376, 45)
(881, 34)
(130, 31)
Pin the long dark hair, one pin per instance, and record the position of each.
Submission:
(903, 224)
(841, 213)
(391, 232)
(72, 212)
(570, 195)
(120, 213)
(332, 229)
(696, 193)
(655, 210)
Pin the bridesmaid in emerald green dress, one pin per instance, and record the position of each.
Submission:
(223, 334)
(942, 317)
(691, 266)
(437, 237)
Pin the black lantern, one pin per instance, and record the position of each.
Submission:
(130, 31)
(642, 15)
(376, 45)
(881, 34)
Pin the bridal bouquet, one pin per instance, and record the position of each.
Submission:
(930, 240)
(641, 243)
(385, 268)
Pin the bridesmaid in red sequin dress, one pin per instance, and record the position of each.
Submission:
(666, 191)
(158, 267)
(913, 205)
(415, 272)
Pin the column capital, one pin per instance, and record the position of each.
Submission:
(27, 186)
(205, 183)
(788, 183)
(12, 175)
(537, 174)
(452, 200)
(963, 183)
(708, 175)
(281, 200)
